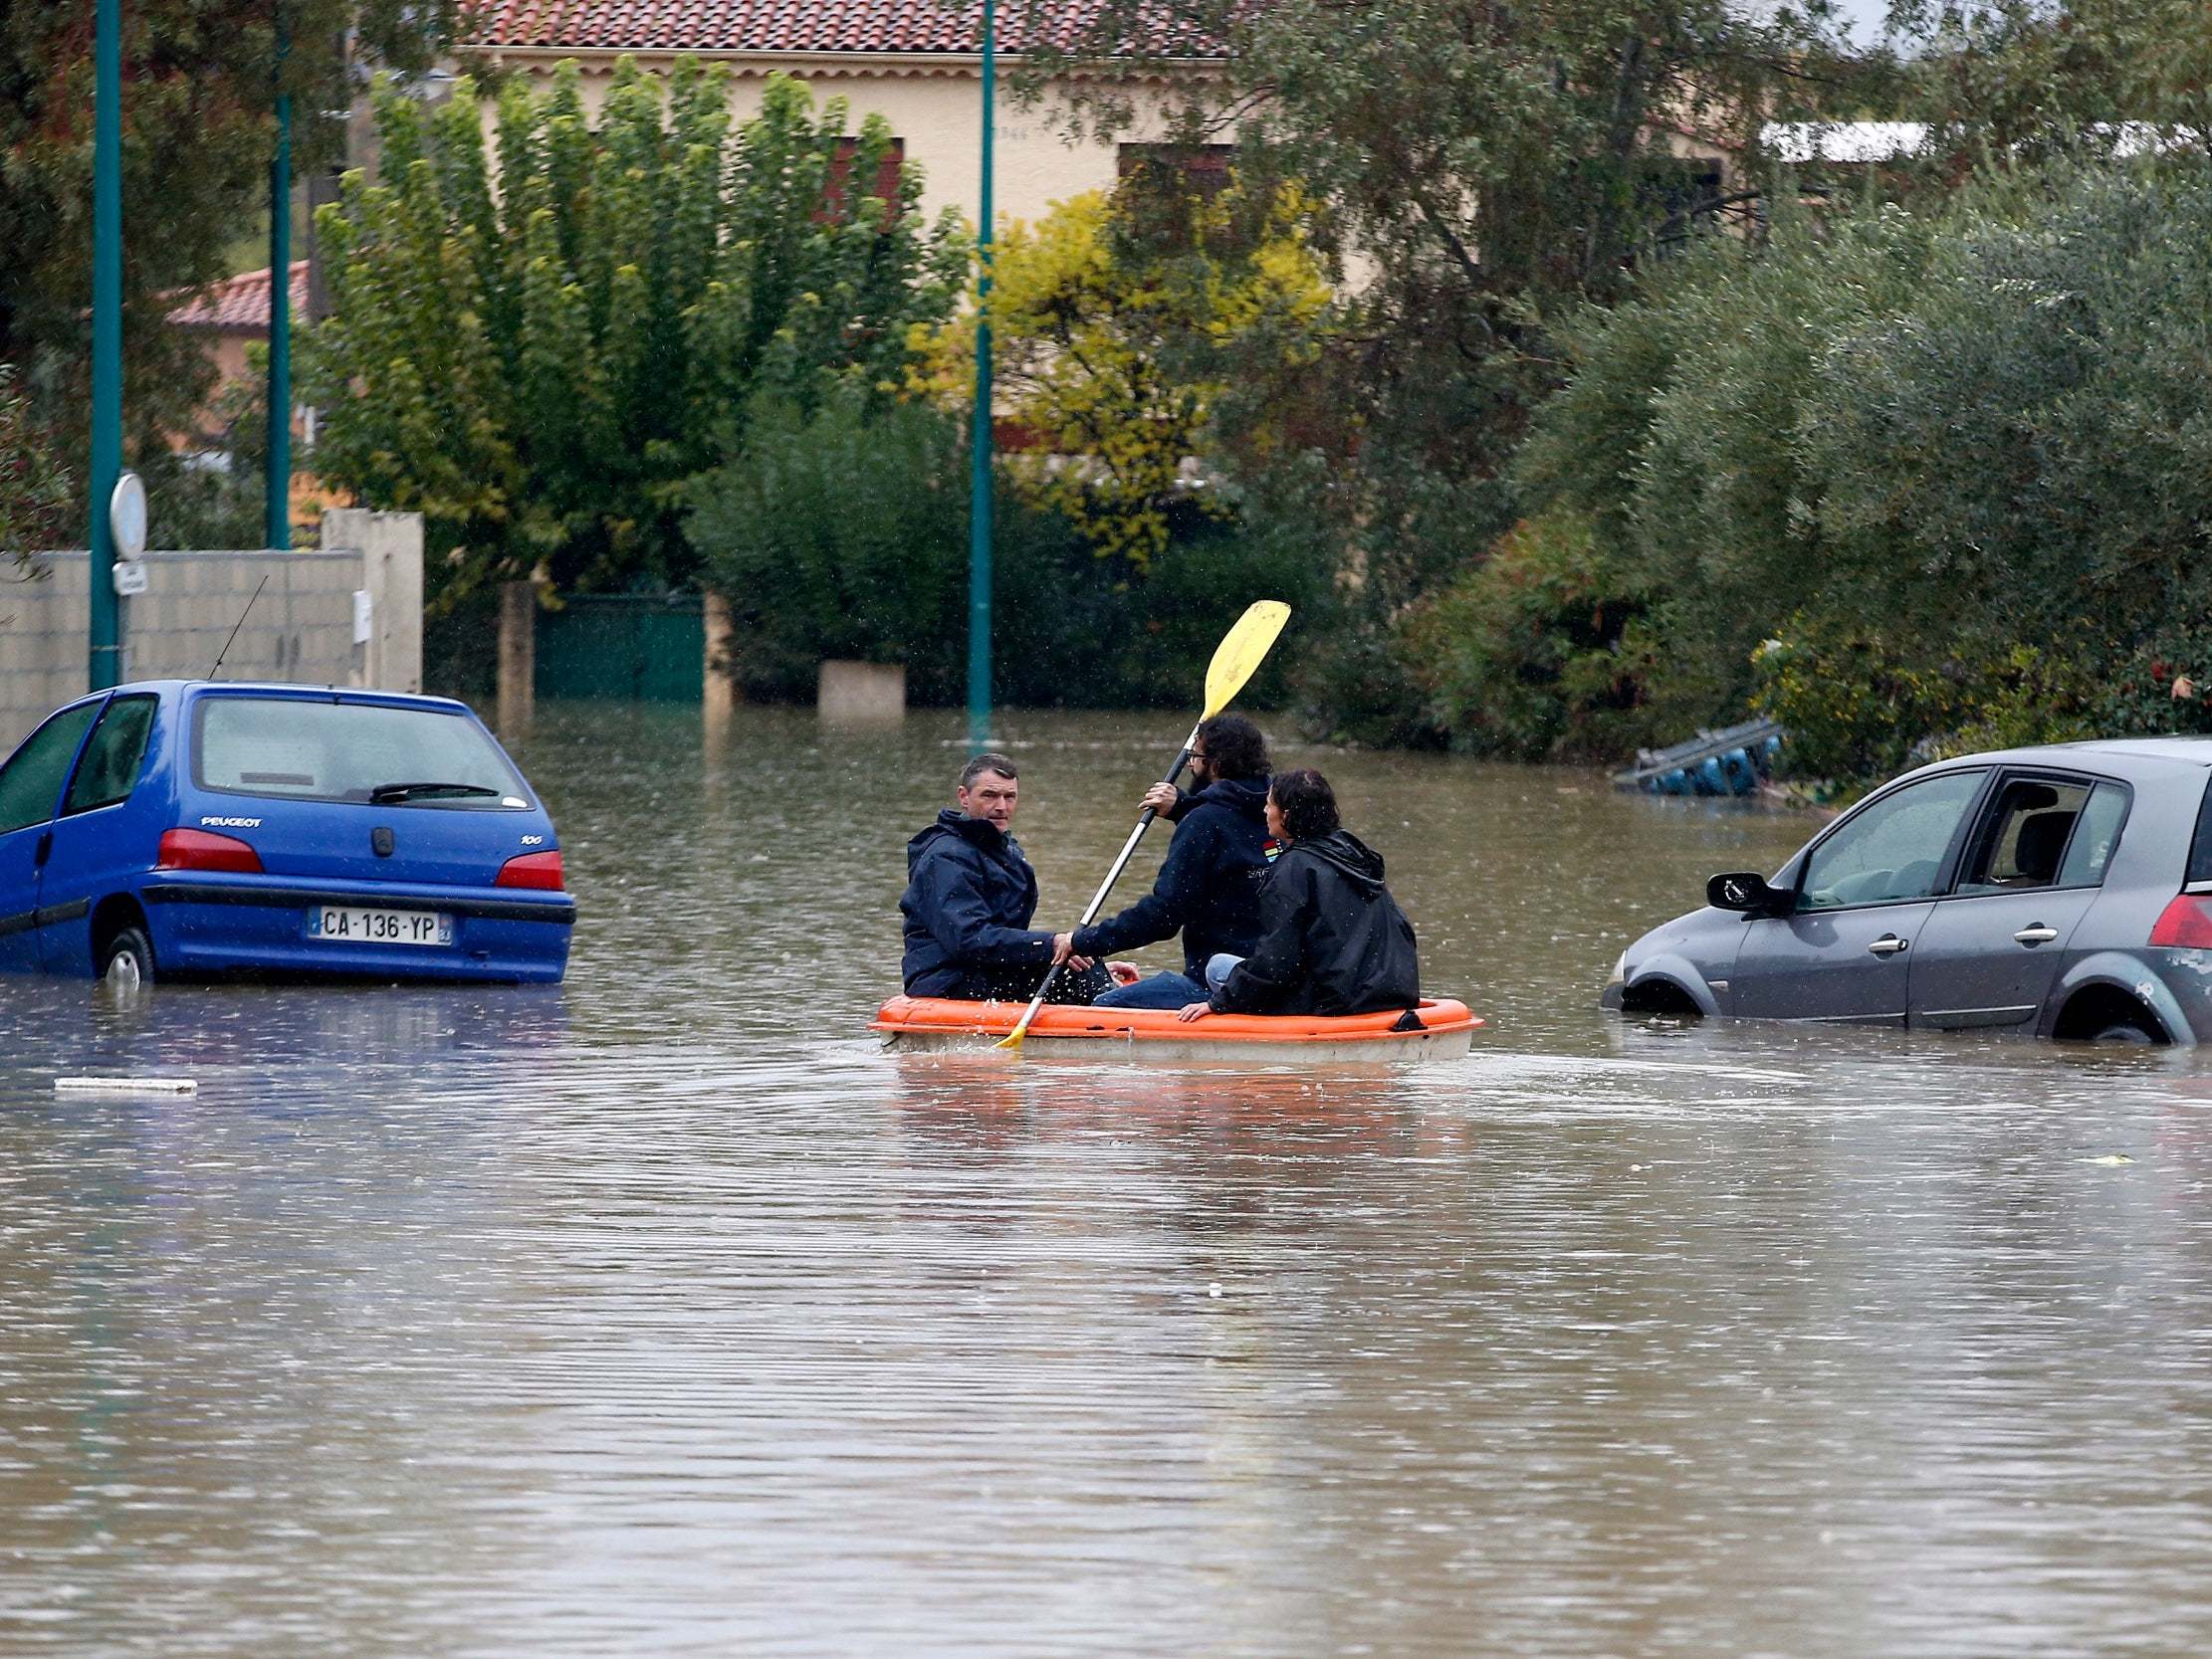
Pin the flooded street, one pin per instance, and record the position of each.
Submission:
(663, 1313)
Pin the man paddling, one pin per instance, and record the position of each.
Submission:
(1209, 886)
(969, 895)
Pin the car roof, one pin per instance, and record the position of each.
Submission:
(2099, 754)
(276, 687)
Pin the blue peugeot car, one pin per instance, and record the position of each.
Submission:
(188, 829)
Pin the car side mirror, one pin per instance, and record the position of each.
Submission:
(1745, 891)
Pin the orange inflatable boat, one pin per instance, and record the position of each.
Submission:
(1446, 1031)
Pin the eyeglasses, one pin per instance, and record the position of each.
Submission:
(1196, 755)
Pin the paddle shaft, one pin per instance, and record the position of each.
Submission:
(1098, 898)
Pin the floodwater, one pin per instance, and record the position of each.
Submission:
(664, 1314)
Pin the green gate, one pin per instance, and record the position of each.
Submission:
(638, 647)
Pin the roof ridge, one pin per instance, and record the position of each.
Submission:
(237, 302)
(920, 27)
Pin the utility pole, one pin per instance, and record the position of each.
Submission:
(277, 499)
(979, 484)
(104, 653)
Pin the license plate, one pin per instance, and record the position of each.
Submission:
(362, 926)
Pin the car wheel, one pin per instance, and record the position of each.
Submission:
(2128, 1032)
(128, 962)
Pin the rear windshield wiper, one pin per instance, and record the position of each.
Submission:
(387, 792)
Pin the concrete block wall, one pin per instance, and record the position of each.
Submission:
(300, 630)
(43, 627)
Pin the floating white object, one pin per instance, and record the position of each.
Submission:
(125, 1086)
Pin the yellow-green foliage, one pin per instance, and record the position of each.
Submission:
(1098, 347)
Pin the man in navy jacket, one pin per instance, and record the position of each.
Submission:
(969, 895)
(1208, 888)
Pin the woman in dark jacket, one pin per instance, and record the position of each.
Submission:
(1332, 941)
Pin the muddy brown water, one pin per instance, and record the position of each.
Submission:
(664, 1314)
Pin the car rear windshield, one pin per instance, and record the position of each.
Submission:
(2200, 849)
(349, 752)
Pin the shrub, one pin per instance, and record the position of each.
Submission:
(1523, 657)
(1955, 462)
(841, 534)
(844, 533)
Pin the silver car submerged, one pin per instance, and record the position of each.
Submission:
(2064, 891)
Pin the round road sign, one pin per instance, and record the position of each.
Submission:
(127, 517)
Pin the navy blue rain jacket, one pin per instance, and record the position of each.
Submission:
(1209, 885)
(970, 894)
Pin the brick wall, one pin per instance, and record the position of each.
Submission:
(301, 629)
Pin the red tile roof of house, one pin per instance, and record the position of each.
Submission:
(240, 304)
(794, 26)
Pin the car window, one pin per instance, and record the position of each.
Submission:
(2096, 837)
(2200, 849)
(347, 751)
(1892, 849)
(109, 769)
(30, 781)
(2024, 835)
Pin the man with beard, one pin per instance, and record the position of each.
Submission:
(1208, 886)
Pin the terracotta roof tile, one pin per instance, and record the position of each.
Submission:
(239, 304)
(797, 25)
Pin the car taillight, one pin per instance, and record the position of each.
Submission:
(532, 870)
(2185, 923)
(191, 848)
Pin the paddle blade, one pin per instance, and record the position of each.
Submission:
(1012, 1039)
(1242, 649)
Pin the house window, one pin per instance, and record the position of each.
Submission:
(1165, 188)
(1681, 198)
(885, 185)
(1195, 169)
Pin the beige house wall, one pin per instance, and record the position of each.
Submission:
(933, 104)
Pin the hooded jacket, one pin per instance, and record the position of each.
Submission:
(1332, 938)
(970, 894)
(1208, 886)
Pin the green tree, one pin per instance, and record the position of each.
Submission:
(2014, 83)
(1092, 330)
(1906, 477)
(1481, 167)
(34, 494)
(199, 85)
(540, 369)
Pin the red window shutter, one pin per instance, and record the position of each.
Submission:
(886, 186)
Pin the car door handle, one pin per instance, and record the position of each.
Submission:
(45, 850)
(1888, 945)
(2037, 935)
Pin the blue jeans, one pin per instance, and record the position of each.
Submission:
(1162, 990)
(1219, 967)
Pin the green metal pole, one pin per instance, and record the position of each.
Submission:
(104, 655)
(277, 497)
(979, 483)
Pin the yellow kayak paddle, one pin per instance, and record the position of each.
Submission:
(1242, 649)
